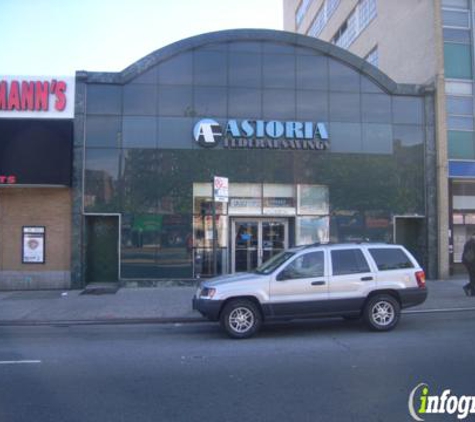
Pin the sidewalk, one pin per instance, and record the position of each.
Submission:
(158, 305)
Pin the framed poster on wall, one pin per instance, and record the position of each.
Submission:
(33, 245)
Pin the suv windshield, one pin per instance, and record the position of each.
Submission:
(273, 263)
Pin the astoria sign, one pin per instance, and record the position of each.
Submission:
(36, 97)
(252, 134)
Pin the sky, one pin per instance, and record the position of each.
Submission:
(59, 37)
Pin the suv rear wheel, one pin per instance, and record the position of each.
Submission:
(241, 318)
(382, 312)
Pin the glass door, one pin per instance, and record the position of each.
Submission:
(274, 238)
(254, 241)
(246, 245)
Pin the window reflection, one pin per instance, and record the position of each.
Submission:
(104, 99)
(312, 72)
(279, 71)
(101, 179)
(103, 131)
(140, 100)
(139, 132)
(407, 110)
(343, 78)
(245, 70)
(210, 68)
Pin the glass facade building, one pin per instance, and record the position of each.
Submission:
(143, 178)
(457, 21)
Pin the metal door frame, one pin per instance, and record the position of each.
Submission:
(119, 238)
(259, 220)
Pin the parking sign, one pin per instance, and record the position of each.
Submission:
(221, 189)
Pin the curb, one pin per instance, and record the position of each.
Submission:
(115, 321)
(170, 320)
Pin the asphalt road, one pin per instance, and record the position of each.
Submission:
(303, 371)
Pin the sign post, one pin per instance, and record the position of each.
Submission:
(220, 194)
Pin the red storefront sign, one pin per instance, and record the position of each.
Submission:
(32, 95)
(36, 97)
(7, 179)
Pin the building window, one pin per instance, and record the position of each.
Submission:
(461, 145)
(455, 18)
(458, 88)
(461, 4)
(373, 57)
(358, 20)
(457, 47)
(322, 17)
(458, 61)
(366, 12)
(302, 11)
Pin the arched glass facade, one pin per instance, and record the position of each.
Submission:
(142, 162)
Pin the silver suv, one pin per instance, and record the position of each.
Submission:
(369, 281)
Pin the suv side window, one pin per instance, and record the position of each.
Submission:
(390, 259)
(349, 261)
(305, 266)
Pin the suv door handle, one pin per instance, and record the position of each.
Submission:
(318, 283)
(369, 278)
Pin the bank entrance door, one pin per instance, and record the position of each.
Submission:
(254, 241)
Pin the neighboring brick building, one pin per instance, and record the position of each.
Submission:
(36, 136)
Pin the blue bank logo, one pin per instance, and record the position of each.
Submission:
(207, 132)
(271, 134)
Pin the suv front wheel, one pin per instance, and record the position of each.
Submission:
(382, 312)
(240, 318)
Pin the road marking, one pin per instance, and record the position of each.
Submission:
(18, 362)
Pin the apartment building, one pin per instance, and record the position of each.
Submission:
(417, 42)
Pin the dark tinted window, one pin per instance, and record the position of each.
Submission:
(104, 99)
(245, 70)
(349, 261)
(345, 107)
(210, 101)
(36, 151)
(312, 105)
(139, 132)
(140, 100)
(312, 72)
(343, 78)
(390, 259)
(305, 266)
(346, 137)
(279, 104)
(102, 131)
(177, 70)
(376, 108)
(175, 101)
(279, 71)
(407, 110)
(245, 102)
(210, 68)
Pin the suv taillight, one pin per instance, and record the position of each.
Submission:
(421, 279)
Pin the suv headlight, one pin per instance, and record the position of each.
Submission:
(208, 292)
